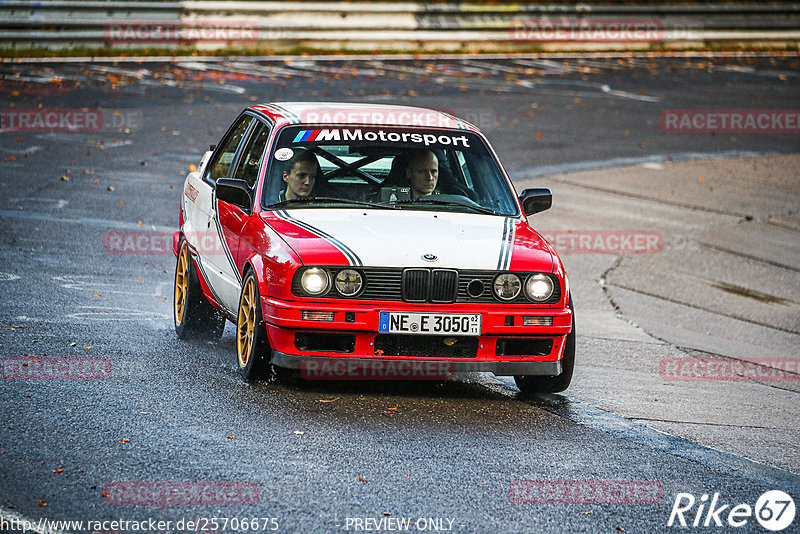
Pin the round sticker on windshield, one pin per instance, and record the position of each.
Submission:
(283, 154)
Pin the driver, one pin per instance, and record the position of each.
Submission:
(422, 172)
(300, 175)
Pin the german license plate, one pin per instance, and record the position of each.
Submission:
(465, 324)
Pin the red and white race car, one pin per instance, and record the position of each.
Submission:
(362, 241)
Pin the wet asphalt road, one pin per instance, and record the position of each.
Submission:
(318, 456)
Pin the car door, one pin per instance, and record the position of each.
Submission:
(249, 160)
(215, 259)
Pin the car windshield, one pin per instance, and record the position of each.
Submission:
(386, 168)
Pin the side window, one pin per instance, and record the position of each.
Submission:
(219, 166)
(253, 155)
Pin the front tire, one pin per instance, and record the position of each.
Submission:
(193, 315)
(251, 334)
(530, 385)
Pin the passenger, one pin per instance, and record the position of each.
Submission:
(422, 172)
(300, 175)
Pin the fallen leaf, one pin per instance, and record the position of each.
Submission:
(104, 494)
(42, 503)
(97, 295)
(299, 432)
(125, 441)
(395, 407)
(192, 167)
(88, 348)
(231, 436)
(65, 178)
(329, 400)
(58, 470)
(538, 135)
(362, 479)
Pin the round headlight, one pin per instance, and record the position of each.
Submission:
(538, 287)
(315, 281)
(507, 286)
(348, 282)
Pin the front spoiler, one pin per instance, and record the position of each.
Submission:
(498, 368)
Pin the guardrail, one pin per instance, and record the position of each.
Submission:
(281, 26)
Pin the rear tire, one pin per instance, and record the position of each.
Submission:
(193, 315)
(530, 385)
(251, 334)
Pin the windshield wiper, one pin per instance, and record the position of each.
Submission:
(479, 209)
(307, 200)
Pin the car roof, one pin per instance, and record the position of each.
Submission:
(353, 114)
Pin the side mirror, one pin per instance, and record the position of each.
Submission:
(236, 192)
(536, 199)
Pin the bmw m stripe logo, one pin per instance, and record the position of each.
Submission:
(306, 135)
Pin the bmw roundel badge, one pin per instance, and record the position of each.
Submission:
(430, 257)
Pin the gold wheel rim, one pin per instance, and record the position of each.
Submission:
(181, 283)
(246, 324)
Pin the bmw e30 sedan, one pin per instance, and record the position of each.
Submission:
(365, 241)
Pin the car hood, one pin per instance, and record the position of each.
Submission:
(406, 238)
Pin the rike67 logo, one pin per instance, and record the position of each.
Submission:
(774, 510)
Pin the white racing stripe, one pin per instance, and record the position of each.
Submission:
(504, 260)
(382, 238)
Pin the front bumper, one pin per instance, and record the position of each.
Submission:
(351, 343)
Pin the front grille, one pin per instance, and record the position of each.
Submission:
(428, 285)
(439, 286)
(444, 286)
(426, 346)
(415, 285)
